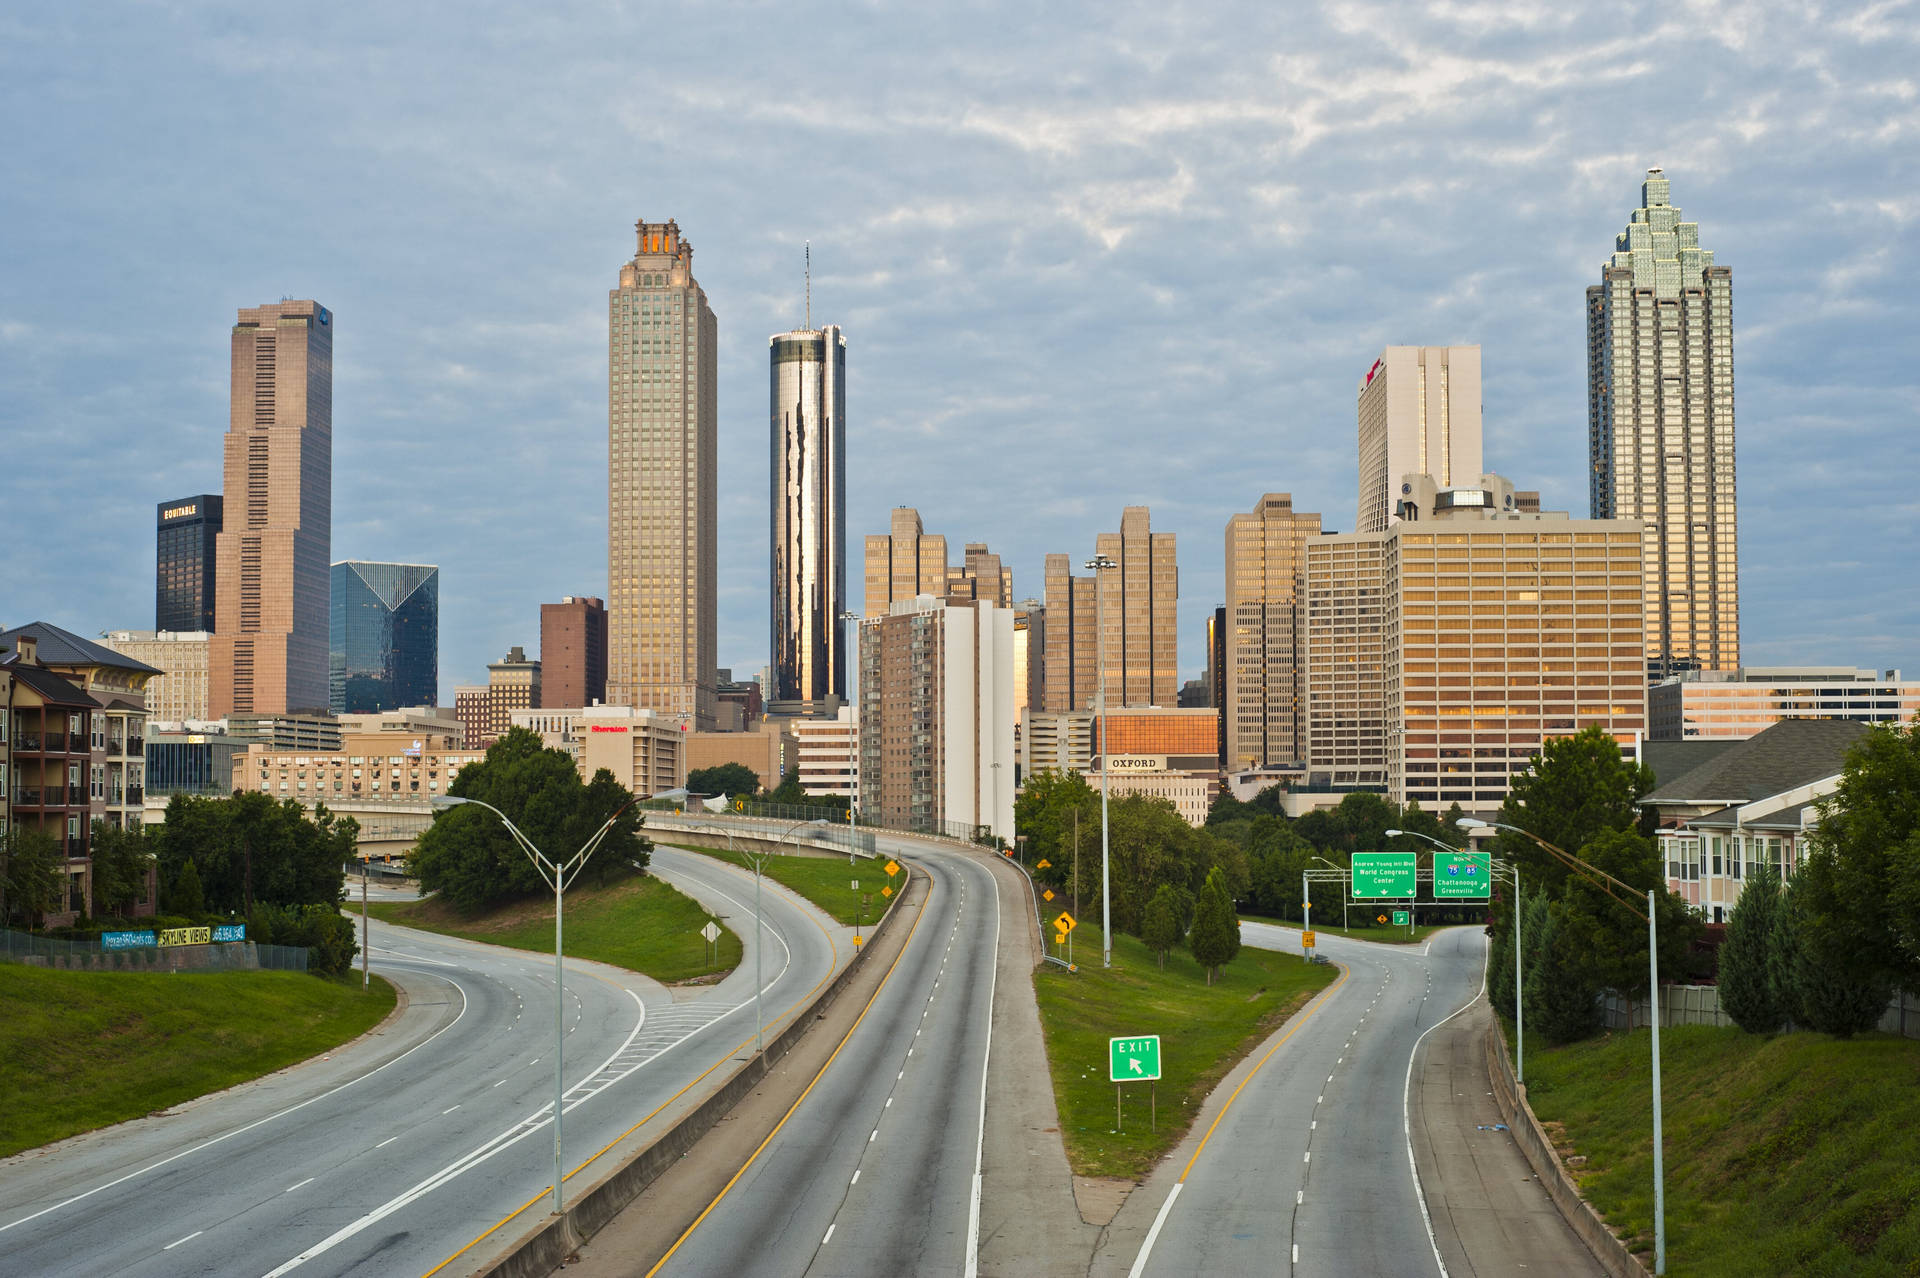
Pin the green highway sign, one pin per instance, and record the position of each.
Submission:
(1384, 875)
(1133, 1060)
(1462, 875)
(1400, 918)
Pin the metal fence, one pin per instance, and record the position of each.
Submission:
(91, 956)
(1700, 1005)
(957, 830)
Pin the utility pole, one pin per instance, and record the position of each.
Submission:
(366, 978)
(1076, 880)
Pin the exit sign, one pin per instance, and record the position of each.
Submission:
(1133, 1060)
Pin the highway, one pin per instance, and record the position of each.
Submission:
(393, 1155)
(876, 1170)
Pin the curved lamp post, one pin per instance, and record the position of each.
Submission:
(556, 874)
(1627, 896)
(1343, 896)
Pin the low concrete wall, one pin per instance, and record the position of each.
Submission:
(1532, 1139)
(545, 1247)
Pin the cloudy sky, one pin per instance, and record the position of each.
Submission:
(1086, 256)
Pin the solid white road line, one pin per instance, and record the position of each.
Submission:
(1146, 1248)
(986, 1056)
(1406, 1115)
(68, 1202)
(302, 1185)
(388, 1141)
(189, 1238)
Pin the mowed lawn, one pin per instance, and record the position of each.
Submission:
(1204, 1031)
(828, 881)
(642, 924)
(81, 1050)
(1795, 1154)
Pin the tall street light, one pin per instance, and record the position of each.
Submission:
(1519, 1008)
(1615, 888)
(556, 874)
(759, 862)
(1097, 565)
(1343, 896)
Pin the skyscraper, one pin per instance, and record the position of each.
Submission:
(904, 562)
(808, 471)
(1265, 707)
(662, 482)
(1660, 428)
(384, 638)
(269, 650)
(186, 544)
(1139, 602)
(1419, 411)
(573, 652)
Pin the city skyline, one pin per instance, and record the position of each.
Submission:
(1325, 257)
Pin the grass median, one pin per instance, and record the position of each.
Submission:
(1796, 1153)
(827, 881)
(83, 1050)
(1204, 1031)
(643, 924)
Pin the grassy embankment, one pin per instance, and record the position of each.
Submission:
(82, 1050)
(642, 924)
(1204, 1031)
(826, 881)
(1796, 1154)
(1378, 934)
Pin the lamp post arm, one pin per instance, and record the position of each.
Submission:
(1591, 873)
(571, 870)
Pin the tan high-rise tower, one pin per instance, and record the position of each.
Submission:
(1139, 604)
(904, 562)
(268, 654)
(662, 483)
(1419, 411)
(1265, 708)
(1660, 428)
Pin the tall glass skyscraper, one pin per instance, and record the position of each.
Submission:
(183, 579)
(662, 483)
(808, 498)
(1660, 428)
(384, 650)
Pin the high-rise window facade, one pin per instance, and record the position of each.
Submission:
(573, 652)
(384, 637)
(269, 651)
(904, 562)
(1660, 428)
(662, 483)
(808, 498)
(183, 578)
(1139, 606)
(1419, 414)
(1265, 655)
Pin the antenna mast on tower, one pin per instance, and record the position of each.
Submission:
(809, 286)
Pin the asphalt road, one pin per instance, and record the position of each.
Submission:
(396, 1154)
(876, 1171)
(1309, 1171)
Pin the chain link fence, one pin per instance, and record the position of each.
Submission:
(93, 956)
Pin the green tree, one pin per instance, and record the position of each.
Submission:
(724, 778)
(1215, 938)
(1562, 998)
(34, 880)
(1831, 994)
(1746, 987)
(789, 791)
(1045, 813)
(121, 859)
(251, 849)
(186, 899)
(1783, 957)
(468, 857)
(1162, 928)
(1606, 934)
(1860, 884)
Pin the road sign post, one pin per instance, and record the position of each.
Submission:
(1134, 1059)
(712, 932)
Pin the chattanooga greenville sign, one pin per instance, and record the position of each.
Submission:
(1137, 763)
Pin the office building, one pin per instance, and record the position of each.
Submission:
(980, 575)
(1139, 598)
(178, 694)
(378, 768)
(299, 733)
(1660, 428)
(269, 651)
(1029, 646)
(766, 750)
(384, 638)
(403, 721)
(1732, 705)
(662, 482)
(513, 683)
(193, 763)
(904, 563)
(573, 651)
(1165, 753)
(827, 755)
(808, 472)
(936, 717)
(1264, 711)
(186, 550)
(643, 749)
(1419, 413)
(1498, 631)
(741, 704)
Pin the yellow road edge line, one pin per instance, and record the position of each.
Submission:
(1320, 1001)
(792, 1109)
(652, 1114)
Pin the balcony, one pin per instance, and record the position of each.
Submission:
(56, 743)
(28, 797)
(136, 795)
(27, 742)
(137, 746)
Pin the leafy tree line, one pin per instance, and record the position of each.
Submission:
(470, 859)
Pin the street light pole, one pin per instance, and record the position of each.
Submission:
(1344, 896)
(1615, 888)
(1519, 1006)
(558, 874)
(1097, 565)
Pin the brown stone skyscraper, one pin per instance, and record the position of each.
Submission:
(269, 650)
(662, 483)
(1265, 707)
(1140, 610)
(573, 652)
